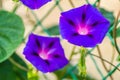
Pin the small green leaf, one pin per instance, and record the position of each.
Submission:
(54, 30)
(9, 71)
(11, 34)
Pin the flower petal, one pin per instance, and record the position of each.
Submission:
(34, 4)
(83, 26)
(45, 53)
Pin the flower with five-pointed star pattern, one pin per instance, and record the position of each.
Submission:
(83, 26)
(45, 53)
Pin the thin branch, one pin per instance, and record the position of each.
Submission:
(113, 56)
(42, 19)
(16, 6)
(72, 53)
(87, 1)
(97, 67)
(89, 52)
(99, 52)
(98, 3)
(39, 23)
(50, 10)
(114, 33)
(105, 61)
(71, 3)
(111, 72)
(58, 4)
(45, 76)
(17, 65)
(0, 4)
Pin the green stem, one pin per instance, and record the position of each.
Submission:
(39, 22)
(71, 3)
(111, 72)
(16, 6)
(98, 3)
(99, 52)
(82, 64)
(45, 77)
(72, 53)
(50, 10)
(17, 65)
(95, 63)
(59, 6)
(113, 56)
(111, 39)
(114, 33)
(104, 60)
(97, 67)
(87, 1)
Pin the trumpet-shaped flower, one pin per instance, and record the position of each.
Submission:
(45, 53)
(34, 4)
(83, 26)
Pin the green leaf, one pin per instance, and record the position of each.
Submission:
(54, 30)
(11, 34)
(9, 71)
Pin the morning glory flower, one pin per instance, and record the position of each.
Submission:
(45, 53)
(34, 4)
(83, 26)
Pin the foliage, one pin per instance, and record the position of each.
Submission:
(9, 71)
(11, 33)
(13, 67)
(32, 74)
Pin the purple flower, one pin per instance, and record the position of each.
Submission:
(34, 4)
(84, 26)
(45, 53)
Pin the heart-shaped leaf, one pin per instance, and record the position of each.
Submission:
(11, 33)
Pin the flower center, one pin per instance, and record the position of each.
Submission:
(43, 55)
(83, 31)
